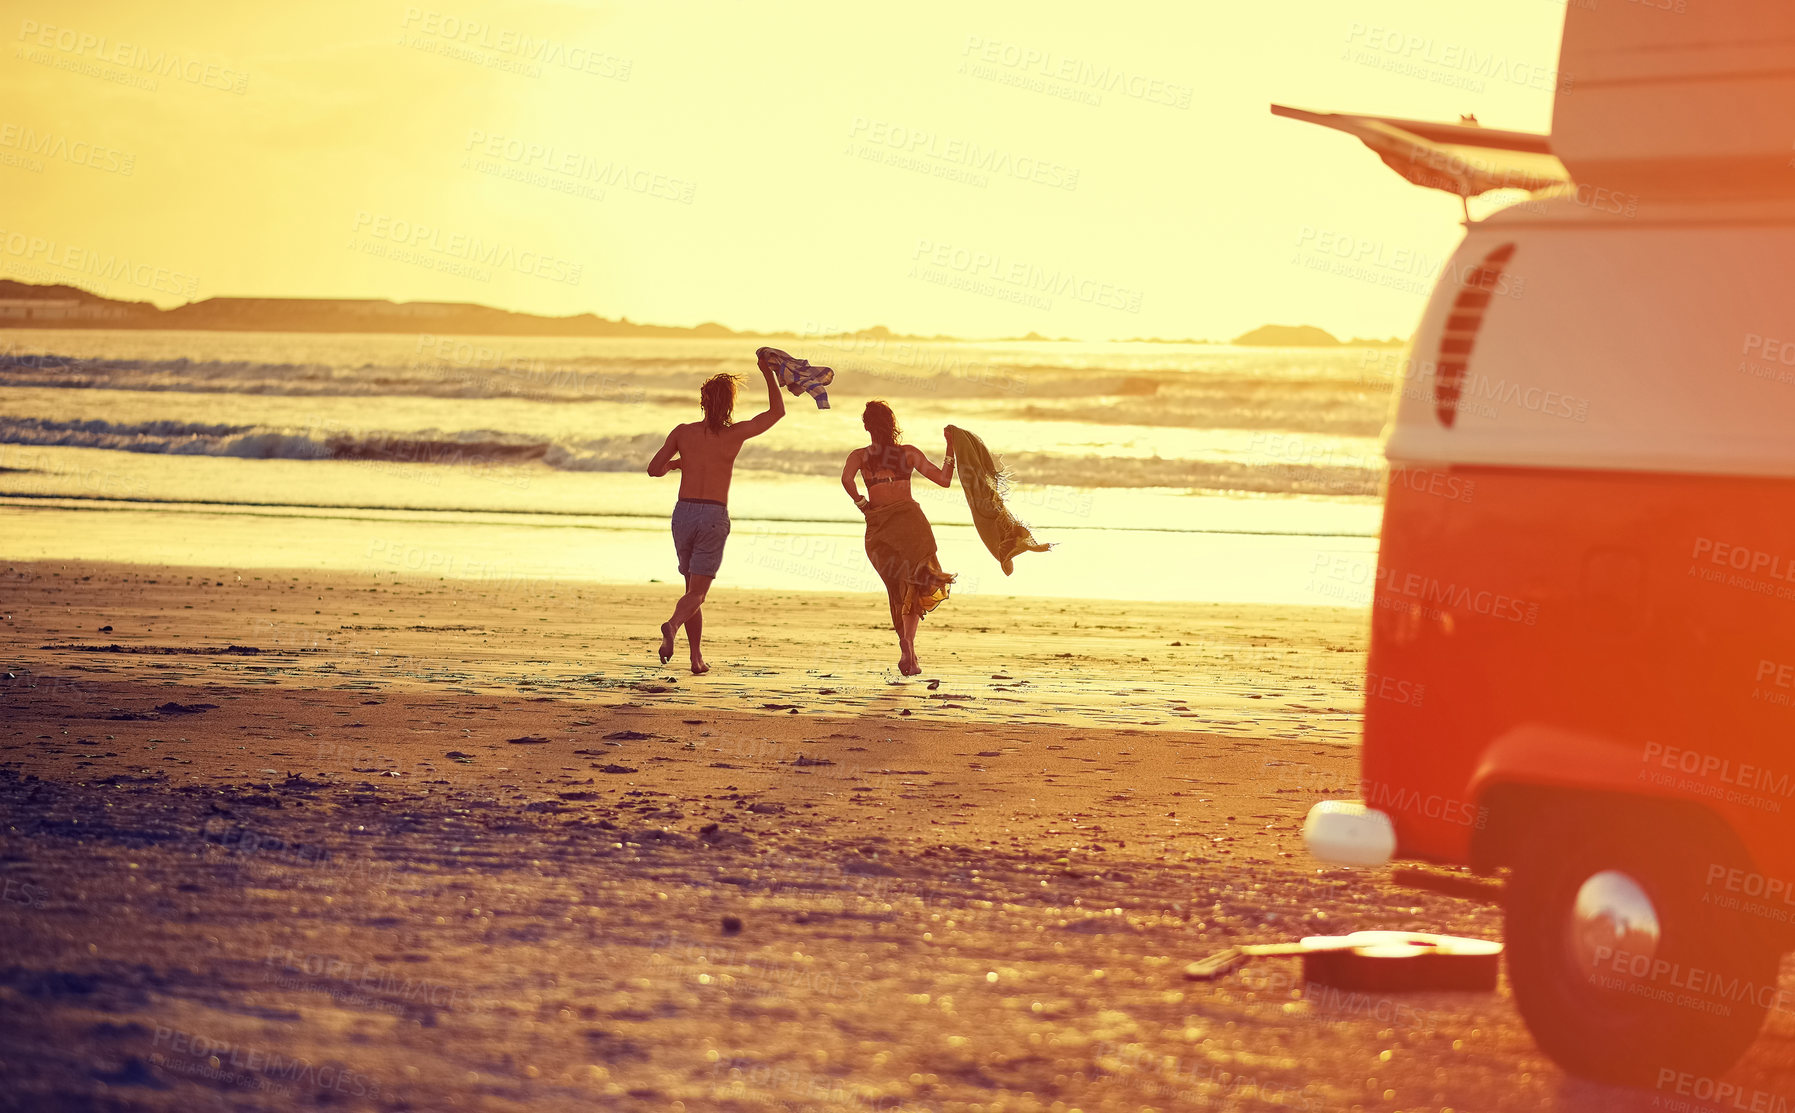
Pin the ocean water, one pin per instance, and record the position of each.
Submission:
(1162, 471)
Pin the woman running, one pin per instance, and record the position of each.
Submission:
(899, 541)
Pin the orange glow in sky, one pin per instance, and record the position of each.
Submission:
(764, 166)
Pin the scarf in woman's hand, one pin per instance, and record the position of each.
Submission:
(985, 482)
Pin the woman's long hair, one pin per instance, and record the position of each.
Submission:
(718, 398)
(881, 423)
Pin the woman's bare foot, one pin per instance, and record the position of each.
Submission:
(699, 668)
(907, 662)
(666, 642)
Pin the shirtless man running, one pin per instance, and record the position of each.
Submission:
(704, 453)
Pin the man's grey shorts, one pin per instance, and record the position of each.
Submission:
(699, 530)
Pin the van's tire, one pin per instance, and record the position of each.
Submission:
(1587, 1013)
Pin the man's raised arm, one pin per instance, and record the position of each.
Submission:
(775, 410)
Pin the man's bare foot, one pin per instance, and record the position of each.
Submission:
(699, 668)
(908, 664)
(666, 642)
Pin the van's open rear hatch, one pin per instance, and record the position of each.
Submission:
(1465, 159)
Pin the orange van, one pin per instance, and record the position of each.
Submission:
(1587, 558)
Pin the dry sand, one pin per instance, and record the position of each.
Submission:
(297, 840)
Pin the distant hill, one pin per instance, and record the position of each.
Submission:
(1287, 336)
(1307, 336)
(26, 305)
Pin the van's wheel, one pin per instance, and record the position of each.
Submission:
(1622, 963)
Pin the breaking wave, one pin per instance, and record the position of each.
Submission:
(486, 448)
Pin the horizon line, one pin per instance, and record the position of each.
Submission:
(879, 331)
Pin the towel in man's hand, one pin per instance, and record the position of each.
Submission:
(797, 375)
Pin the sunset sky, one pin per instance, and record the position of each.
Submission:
(765, 166)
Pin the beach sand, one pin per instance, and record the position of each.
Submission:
(284, 840)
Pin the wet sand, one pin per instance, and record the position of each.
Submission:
(397, 843)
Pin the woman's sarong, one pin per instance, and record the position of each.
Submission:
(901, 546)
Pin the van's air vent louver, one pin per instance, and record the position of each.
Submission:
(1459, 336)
